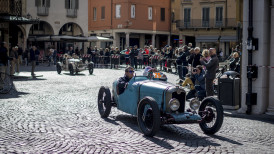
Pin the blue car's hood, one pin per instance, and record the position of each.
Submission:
(154, 86)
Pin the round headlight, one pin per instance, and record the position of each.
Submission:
(174, 104)
(194, 104)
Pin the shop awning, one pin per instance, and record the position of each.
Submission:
(207, 38)
(19, 20)
(68, 38)
(228, 39)
(98, 38)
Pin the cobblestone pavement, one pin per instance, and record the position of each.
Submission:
(58, 114)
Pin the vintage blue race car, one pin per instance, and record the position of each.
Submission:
(157, 102)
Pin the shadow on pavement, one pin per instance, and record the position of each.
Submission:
(168, 132)
(12, 94)
(78, 74)
(225, 139)
(262, 117)
(112, 120)
(28, 78)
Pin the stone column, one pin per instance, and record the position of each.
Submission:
(142, 40)
(116, 40)
(157, 42)
(153, 40)
(260, 57)
(168, 40)
(127, 39)
(270, 109)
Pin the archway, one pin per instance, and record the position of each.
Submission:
(16, 35)
(71, 29)
(43, 28)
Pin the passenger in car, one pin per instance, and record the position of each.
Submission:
(123, 81)
(150, 71)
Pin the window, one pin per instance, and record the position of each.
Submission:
(132, 11)
(72, 4)
(42, 3)
(118, 11)
(219, 16)
(67, 27)
(205, 20)
(38, 27)
(149, 13)
(187, 17)
(162, 14)
(102, 12)
(94, 13)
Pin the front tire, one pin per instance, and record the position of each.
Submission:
(212, 111)
(90, 68)
(148, 116)
(71, 70)
(58, 68)
(104, 102)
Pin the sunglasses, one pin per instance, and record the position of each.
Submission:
(130, 72)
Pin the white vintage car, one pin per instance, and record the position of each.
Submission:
(74, 65)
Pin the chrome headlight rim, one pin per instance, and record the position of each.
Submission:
(194, 104)
(174, 104)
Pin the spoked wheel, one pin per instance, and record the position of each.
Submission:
(211, 112)
(58, 68)
(104, 102)
(71, 71)
(7, 82)
(90, 68)
(148, 116)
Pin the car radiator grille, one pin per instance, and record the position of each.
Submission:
(181, 97)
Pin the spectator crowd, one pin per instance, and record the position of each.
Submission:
(195, 68)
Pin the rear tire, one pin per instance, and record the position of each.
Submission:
(104, 102)
(148, 116)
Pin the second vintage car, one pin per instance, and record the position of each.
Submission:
(157, 102)
(74, 65)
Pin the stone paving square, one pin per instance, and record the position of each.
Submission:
(58, 114)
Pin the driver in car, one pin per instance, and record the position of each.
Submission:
(123, 81)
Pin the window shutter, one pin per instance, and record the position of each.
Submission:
(48, 3)
(162, 14)
(77, 4)
(221, 14)
(66, 4)
(103, 12)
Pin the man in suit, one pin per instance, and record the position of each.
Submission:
(211, 67)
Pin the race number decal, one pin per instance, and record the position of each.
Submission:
(157, 75)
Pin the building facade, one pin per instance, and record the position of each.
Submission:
(57, 18)
(13, 19)
(262, 56)
(131, 22)
(208, 23)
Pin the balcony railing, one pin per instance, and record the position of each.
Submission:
(42, 11)
(211, 23)
(11, 7)
(72, 13)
